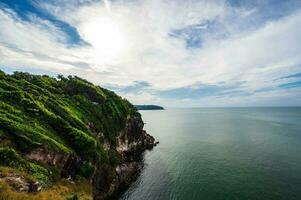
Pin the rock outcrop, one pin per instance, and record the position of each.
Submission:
(47, 157)
(131, 143)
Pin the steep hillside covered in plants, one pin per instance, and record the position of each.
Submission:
(65, 128)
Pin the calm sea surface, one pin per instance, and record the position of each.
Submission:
(221, 153)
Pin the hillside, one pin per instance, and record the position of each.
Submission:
(59, 130)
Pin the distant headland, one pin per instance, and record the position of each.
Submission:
(149, 107)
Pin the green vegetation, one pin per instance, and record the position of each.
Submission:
(63, 190)
(64, 115)
(10, 158)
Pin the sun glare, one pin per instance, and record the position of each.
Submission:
(106, 36)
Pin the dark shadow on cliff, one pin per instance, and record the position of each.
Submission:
(124, 188)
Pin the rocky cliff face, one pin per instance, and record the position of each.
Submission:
(108, 180)
(131, 143)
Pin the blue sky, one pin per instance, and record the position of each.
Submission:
(173, 53)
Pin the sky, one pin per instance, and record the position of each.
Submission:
(175, 53)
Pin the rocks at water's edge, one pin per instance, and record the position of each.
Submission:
(132, 142)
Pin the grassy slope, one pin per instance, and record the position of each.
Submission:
(62, 190)
(41, 111)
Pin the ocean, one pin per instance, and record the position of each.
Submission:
(220, 154)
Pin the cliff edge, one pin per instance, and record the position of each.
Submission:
(66, 138)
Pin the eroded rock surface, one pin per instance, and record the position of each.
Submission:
(131, 143)
(44, 156)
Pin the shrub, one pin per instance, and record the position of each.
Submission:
(9, 157)
(114, 157)
(86, 170)
(81, 142)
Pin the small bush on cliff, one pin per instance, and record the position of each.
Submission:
(80, 141)
(9, 157)
(86, 170)
(114, 157)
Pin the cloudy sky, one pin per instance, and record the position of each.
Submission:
(170, 52)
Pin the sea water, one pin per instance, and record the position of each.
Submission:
(220, 154)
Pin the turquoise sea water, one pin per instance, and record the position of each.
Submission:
(221, 153)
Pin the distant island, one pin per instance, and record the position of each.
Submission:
(149, 107)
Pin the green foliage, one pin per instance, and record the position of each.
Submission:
(38, 171)
(73, 197)
(27, 137)
(78, 86)
(114, 157)
(86, 170)
(81, 141)
(61, 114)
(9, 157)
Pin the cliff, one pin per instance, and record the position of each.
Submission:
(60, 133)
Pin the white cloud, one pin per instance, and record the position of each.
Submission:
(140, 48)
